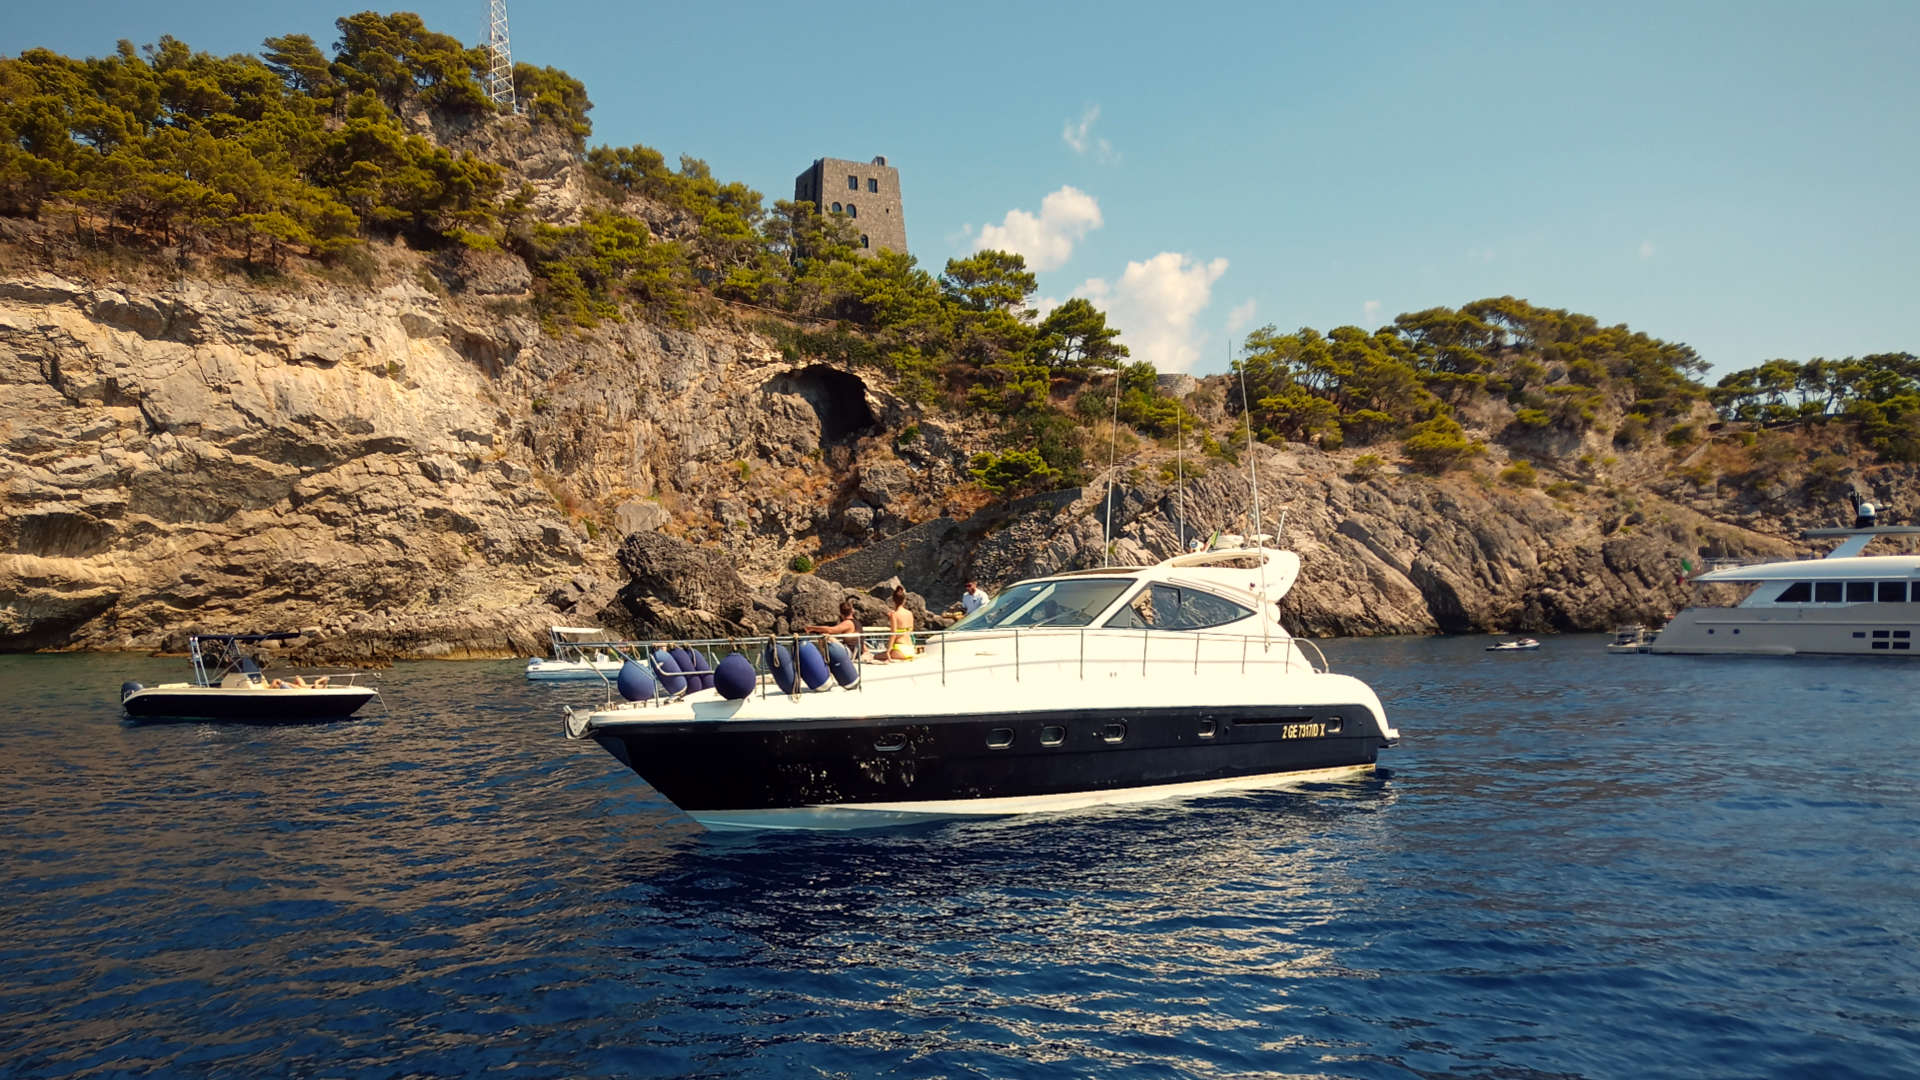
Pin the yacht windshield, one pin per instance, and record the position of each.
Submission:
(1066, 602)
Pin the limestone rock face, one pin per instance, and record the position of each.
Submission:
(414, 469)
(421, 469)
(675, 589)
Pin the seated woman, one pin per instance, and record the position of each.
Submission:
(846, 631)
(900, 641)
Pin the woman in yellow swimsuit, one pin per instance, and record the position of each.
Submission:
(900, 641)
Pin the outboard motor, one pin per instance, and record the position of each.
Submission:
(129, 688)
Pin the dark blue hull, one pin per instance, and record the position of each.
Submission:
(759, 765)
(244, 707)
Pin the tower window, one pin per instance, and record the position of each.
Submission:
(853, 183)
(873, 185)
(836, 208)
(863, 240)
(852, 211)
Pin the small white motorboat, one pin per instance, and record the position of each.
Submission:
(228, 685)
(1632, 639)
(579, 652)
(1525, 644)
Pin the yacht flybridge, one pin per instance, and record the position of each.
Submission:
(1114, 685)
(1846, 604)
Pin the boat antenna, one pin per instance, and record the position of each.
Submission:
(1113, 453)
(1246, 414)
(1180, 479)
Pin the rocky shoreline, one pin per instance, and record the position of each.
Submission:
(415, 471)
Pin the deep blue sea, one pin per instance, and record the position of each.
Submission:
(1581, 865)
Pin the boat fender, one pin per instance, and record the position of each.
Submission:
(692, 663)
(734, 677)
(129, 688)
(780, 663)
(683, 660)
(813, 669)
(840, 662)
(635, 681)
(668, 672)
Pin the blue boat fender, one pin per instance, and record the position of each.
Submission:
(813, 668)
(668, 672)
(734, 677)
(635, 681)
(699, 667)
(780, 664)
(840, 662)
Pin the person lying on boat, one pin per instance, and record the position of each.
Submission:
(900, 639)
(299, 683)
(846, 631)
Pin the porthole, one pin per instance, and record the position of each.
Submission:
(1208, 729)
(1333, 724)
(1052, 735)
(1114, 733)
(891, 741)
(1000, 738)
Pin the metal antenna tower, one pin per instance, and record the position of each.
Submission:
(499, 84)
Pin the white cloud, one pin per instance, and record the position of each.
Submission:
(1047, 240)
(1370, 314)
(1154, 305)
(1240, 317)
(1646, 249)
(1079, 137)
(1480, 254)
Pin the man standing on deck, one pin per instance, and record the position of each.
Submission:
(973, 599)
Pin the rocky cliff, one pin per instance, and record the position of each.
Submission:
(421, 469)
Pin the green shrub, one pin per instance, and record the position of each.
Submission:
(1520, 474)
(1440, 444)
(801, 564)
(1366, 466)
(1013, 471)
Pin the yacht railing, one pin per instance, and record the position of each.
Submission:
(1158, 650)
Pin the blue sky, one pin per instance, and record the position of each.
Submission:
(1738, 176)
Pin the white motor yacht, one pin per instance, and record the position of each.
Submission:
(578, 652)
(1846, 604)
(1097, 686)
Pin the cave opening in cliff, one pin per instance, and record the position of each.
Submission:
(837, 397)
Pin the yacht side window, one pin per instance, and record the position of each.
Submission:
(1826, 592)
(1166, 607)
(1072, 602)
(1800, 592)
(1893, 592)
(1859, 592)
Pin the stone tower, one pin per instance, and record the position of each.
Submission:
(867, 192)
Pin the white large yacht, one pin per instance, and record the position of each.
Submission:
(1847, 604)
(1115, 685)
